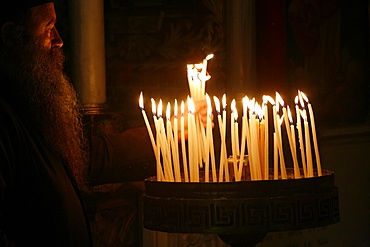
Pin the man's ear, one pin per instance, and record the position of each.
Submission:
(8, 33)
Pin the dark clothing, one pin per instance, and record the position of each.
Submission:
(40, 204)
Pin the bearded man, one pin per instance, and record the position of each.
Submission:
(43, 153)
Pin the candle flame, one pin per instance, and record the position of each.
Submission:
(209, 105)
(191, 106)
(141, 101)
(233, 105)
(154, 107)
(304, 96)
(224, 101)
(290, 115)
(251, 104)
(159, 108)
(259, 110)
(182, 108)
(300, 98)
(198, 66)
(279, 100)
(210, 56)
(168, 111)
(245, 105)
(235, 112)
(296, 100)
(217, 104)
(268, 98)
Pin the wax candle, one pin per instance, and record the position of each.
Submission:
(243, 137)
(182, 132)
(314, 136)
(279, 138)
(308, 145)
(168, 173)
(291, 133)
(151, 136)
(226, 167)
(300, 137)
(159, 168)
(234, 141)
(210, 138)
(276, 158)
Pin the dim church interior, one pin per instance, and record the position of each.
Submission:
(260, 47)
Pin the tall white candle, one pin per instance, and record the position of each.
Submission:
(279, 139)
(300, 138)
(226, 167)
(184, 159)
(291, 133)
(314, 136)
(151, 136)
(308, 145)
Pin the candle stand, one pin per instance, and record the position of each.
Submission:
(241, 213)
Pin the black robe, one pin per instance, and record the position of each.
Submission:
(40, 204)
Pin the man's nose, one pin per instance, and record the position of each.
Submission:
(56, 40)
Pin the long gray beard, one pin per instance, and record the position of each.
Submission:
(51, 103)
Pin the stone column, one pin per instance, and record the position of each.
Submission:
(88, 52)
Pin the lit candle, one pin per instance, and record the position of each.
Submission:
(300, 137)
(266, 99)
(168, 174)
(141, 105)
(279, 100)
(210, 138)
(314, 137)
(160, 175)
(276, 158)
(226, 167)
(184, 159)
(233, 124)
(171, 150)
(243, 137)
(292, 143)
(192, 142)
(308, 145)
(204, 76)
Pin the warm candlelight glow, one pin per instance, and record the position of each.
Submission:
(257, 140)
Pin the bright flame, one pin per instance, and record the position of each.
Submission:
(300, 98)
(224, 101)
(304, 96)
(234, 110)
(233, 105)
(296, 100)
(141, 101)
(279, 100)
(268, 98)
(168, 111)
(191, 106)
(160, 108)
(182, 108)
(245, 105)
(210, 56)
(290, 115)
(154, 107)
(217, 104)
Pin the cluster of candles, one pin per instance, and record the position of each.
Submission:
(250, 144)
